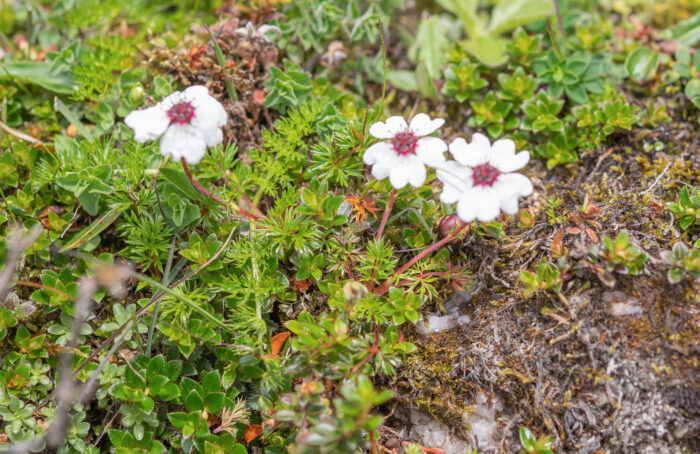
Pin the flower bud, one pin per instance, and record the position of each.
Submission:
(136, 95)
(447, 224)
(353, 291)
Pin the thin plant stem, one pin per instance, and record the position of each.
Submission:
(164, 281)
(385, 286)
(555, 44)
(372, 351)
(387, 212)
(560, 21)
(199, 187)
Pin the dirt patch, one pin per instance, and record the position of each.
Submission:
(599, 368)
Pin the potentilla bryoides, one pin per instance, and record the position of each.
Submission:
(188, 121)
(481, 179)
(407, 151)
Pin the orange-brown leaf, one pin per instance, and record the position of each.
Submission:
(252, 432)
(277, 342)
(557, 246)
(592, 235)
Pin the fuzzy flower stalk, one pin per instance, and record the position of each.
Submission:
(187, 123)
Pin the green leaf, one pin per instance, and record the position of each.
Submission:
(178, 419)
(466, 10)
(429, 45)
(95, 228)
(72, 118)
(425, 84)
(509, 14)
(194, 402)
(489, 50)
(641, 64)
(38, 73)
(214, 402)
(687, 32)
(181, 182)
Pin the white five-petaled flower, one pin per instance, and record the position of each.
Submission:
(188, 121)
(481, 179)
(404, 156)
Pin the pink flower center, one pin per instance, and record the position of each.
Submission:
(181, 113)
(485, 174)
(404, 143)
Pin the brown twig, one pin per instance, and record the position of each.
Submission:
(17, 243)
(157, 296)
(66, 391)
(20, 134)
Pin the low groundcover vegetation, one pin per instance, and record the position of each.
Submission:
(344, 226)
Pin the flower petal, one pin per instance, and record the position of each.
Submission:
(430, 150)
(471, 154)
(416, 172)
(504, 158)
(388, 129)
(148, 124)
(456, 178)
(171, 100)
(407, 169)
(469, 204)
(183, 141)
(380, 151)
(422, 125)
(213, 136)
(382, 158)
(208, 112)
(489, 210)
(515, 183)
(478, 203)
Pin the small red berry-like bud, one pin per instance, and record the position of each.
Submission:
(447, 224)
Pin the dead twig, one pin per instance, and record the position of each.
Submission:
(20, 134)
(17, 243)
(66, 391)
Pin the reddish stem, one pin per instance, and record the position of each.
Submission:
(385, 286)
(208, 193)
(252, 205)
(199, 187)
(387, 211)
(372, 351)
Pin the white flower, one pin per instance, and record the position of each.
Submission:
(404, 156)
(261, 32)
(189, 121)
(481, 180)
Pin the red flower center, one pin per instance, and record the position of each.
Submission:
(485, 174)
(404, 143)
(181, 113)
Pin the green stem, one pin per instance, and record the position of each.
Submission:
(164, 281)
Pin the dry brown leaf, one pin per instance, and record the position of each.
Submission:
(557, 246)
(259, 97)
(252, 432)
(592, 235)
(277, 342)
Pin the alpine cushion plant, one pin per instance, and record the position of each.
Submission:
(406, 153)
(481, 179)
